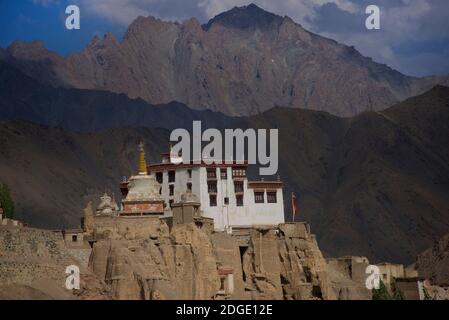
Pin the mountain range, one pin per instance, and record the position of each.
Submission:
(370, 182)
(375, 184)
(242, 62)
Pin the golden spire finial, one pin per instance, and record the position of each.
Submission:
(142, 162)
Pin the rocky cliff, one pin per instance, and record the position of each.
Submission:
(433, 263)
(33, 263)
(146, 260)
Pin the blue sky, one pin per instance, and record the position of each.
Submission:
(45, 20)
(414, 35)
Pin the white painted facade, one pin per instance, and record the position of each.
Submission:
(224, 215)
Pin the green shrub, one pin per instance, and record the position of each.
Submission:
(6, 201)
(398, 295)
(381, 293)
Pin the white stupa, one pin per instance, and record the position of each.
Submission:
(143, 196)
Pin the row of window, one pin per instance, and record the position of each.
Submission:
(212, 186)
(171, 189)
(213, 200)
(171, 176)
(259, 197)
(236, 172)
(211, 174)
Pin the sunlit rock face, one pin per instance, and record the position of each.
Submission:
(142, 258)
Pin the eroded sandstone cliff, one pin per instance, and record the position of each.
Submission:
(149, 258)
(145, 259)
(33, 266)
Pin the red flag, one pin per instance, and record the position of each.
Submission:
(293, 207)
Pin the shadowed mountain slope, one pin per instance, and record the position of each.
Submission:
(23, 98)
(375, 184)
(433, 263)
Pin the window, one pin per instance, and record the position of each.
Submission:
(239, 200)
(170, 203)
(226, 200)
(238, 186)
(259, 197)
(212, 187)
(212, 200)
(171, 176)
(189, 186)
(159, 177)
(223, 174)
(189, 172)
(238, 172)
(226, 284)
(222, 284)
(271, 197)
(211, 173)
(242, 254)
(171, 189)
(160, 190)
(74, 238)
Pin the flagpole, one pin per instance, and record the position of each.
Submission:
(293, 210)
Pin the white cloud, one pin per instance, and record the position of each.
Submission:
(298, 10)
(406, 41)
(122, 12)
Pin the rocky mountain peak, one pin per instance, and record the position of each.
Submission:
(94, 41)
(192, 23)
(245, 17)
(97, 43)
(109, 36)
(27, 50)
(142, 25)
(17, 45)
